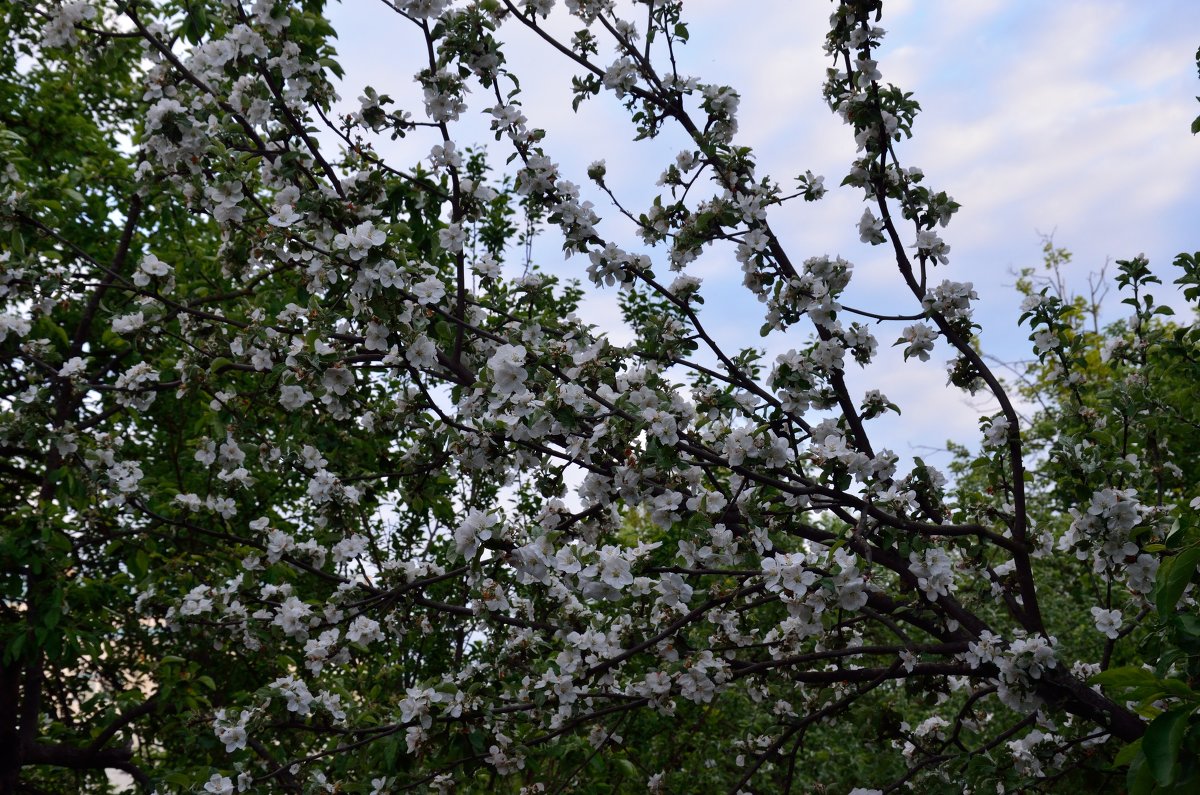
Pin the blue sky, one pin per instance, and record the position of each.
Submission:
(1069, 117)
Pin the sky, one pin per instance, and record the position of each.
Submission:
(1070, 118)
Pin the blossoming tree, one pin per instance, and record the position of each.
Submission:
(310, 493)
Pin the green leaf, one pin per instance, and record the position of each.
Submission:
(195, 24)
(1189, 624)
(1173, 576)
(1161, 743)
(141, 563)
(1139, 781)
(1125, 677)
(1177, 688)
(13, 650)
(219, 364)
(476, 739)
(1127, 754)
(332, 65)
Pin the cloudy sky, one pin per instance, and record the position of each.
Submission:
(1069, 117)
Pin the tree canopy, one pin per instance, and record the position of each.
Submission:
(315, 482)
